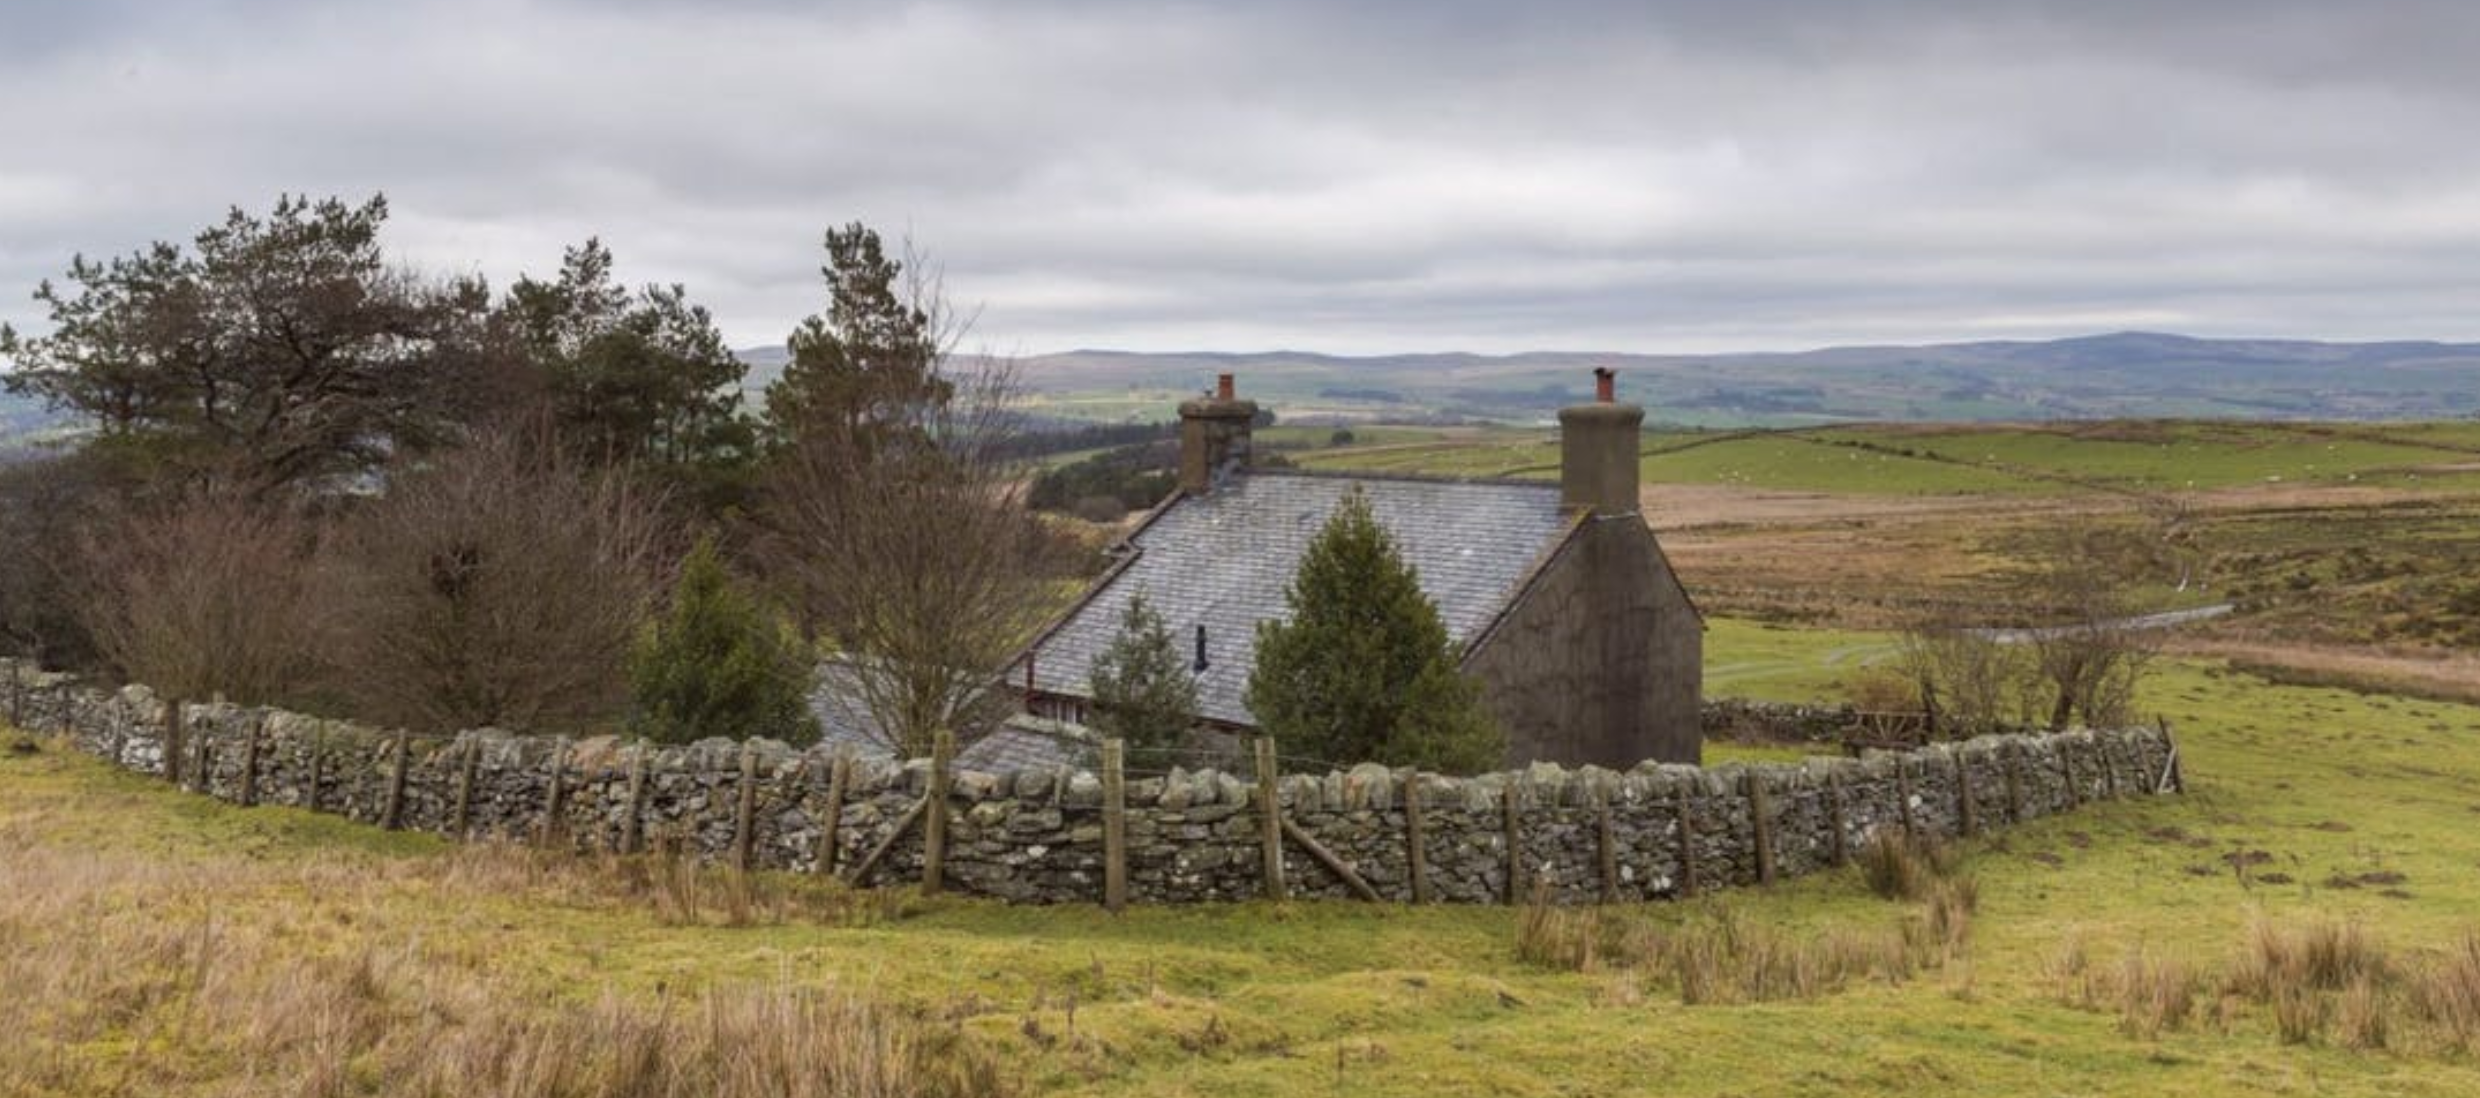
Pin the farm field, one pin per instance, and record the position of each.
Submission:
(1946, 459)
(139, 921)
(2350, 552)
(163, 944)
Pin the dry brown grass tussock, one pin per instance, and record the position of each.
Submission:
(1720, 953)
(302, 977)
(2318, 981)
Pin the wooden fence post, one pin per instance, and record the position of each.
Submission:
(1511, 820)
(120, 743)
(1334, 864)
(934, 813)
(2066, 759)
(2173, 776)
(173, 742)
(460, 815)
(1415, 848)
(1760, 817)
(2109, 766)
(1967, 821)
(1903, 793)
(249, 761)
(1839, 850)
(830, 841)
(1686, 809)
(904, 823)
(632, 821)
(554, 792)
(1606, 842)
(1114, 825)
(2012, 756)
(318, 767)
(202, 761)
(391, 815)
(1270, 818)
(745, 808)
(17, 695)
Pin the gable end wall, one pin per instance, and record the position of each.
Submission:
(1601, 660)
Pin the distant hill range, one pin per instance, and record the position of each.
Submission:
(22, 422)
(2129, 374)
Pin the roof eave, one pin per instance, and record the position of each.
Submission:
(1523, 588)
(1127, 551)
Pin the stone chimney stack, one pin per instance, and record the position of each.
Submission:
(1214, 437)
(1598, 450)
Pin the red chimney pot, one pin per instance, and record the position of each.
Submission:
(1605, 385)
(1223, 388)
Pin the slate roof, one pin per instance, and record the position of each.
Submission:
(1223, 560)
(1019, 743)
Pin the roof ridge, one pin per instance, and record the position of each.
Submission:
(1406, 478)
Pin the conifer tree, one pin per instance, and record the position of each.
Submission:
(1364, 671)
(869, 364)
(638, 377)
(1142, 694)
(717, 664)
(278, 350)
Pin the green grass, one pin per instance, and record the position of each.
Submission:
(1879, 459)
(1771, 662)
(1291, 439)
(1338, 998)
(1489, 453)
(2180, 455)
(1804, 462)
(1774, 461)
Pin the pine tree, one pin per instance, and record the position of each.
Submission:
(641, 377)
(1364, 671)
(280, 350)
(872, 358)
(1141, 692)
(717, 664)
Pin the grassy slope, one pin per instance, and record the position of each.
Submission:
(1344, 999)
(2187, 455)
(1936, 460)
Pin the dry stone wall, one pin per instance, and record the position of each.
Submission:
(1653, 832)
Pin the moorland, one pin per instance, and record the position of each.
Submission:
(2299, 922)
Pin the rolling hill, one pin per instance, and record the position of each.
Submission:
(2127, 374)
(2122, 375)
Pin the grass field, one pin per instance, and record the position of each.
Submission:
(1898, 459)
(2351, 551)
(154, 920)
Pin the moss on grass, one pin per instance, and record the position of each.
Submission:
(2335, 789)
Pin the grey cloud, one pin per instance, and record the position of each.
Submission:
(1449, 173)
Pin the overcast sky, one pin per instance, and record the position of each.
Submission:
(1408, 175)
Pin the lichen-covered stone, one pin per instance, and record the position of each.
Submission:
(1037, 836)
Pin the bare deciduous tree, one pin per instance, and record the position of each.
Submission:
(909, 546)
(203, 595)
(2082, 659)
(495, 586)
(1968, 681)
(2097, 653)
(45, 502)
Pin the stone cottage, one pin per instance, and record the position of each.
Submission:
(1587, 648)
